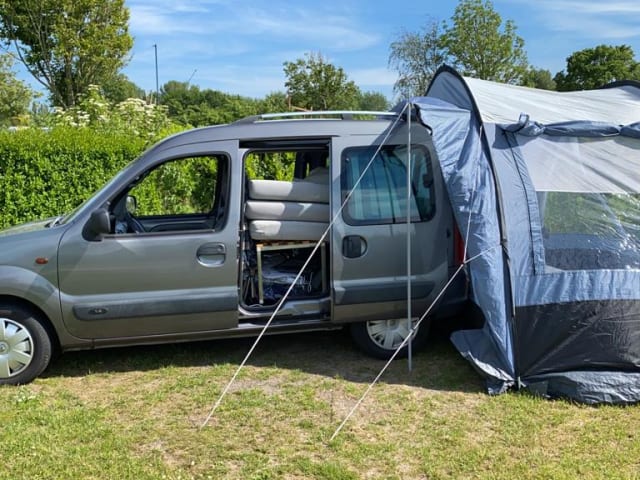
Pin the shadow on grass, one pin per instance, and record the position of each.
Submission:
(437, 366)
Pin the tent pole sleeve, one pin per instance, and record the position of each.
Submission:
(533, 211)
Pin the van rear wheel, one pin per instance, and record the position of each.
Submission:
(25, 346)
(381, 338)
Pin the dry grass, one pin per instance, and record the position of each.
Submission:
(135, 413)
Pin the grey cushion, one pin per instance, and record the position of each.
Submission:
(288, 230)
(298, 191)
(305, 212)
(317, 175)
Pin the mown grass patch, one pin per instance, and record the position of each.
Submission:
(136, 413)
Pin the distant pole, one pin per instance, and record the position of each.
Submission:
(192, 74)
(155, 48)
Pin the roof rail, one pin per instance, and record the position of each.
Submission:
(329, 114)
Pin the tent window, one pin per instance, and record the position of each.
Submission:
(590, 231)
(588, 200)
(381, 195)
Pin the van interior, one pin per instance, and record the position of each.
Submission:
(286, 213)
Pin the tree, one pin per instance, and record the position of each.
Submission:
(593, 67)
(67, 45)
(482, 46)
(373, 102)
(416, 56)
(118, 88)
(538, 78)
(189, 105)
(274, 102)
(315, 84)
(15, 96)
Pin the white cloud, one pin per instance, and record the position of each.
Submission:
(596, 20)
(590, 7)
(151, 20)
(318, 28)
(373, 77)
(326, 30)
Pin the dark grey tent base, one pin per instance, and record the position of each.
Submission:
(592, 387)
(595, 334)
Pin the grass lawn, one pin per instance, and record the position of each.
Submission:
(135, 413)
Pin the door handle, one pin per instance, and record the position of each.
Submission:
(212, 249)
(211, 254)
(353, 246)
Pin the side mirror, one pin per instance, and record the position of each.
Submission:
(131, 204)
(99, 224)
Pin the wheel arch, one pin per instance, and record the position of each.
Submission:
(41, 316)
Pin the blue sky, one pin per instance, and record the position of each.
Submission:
(239, 46)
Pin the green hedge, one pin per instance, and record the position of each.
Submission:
(47, 173)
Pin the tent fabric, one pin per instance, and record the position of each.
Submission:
(503, 104)
(472, 192)
(545, 189)
(589, 387)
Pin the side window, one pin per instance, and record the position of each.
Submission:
(287, 163)
(381, 195)
(590, 231)
(179, 187)
(182, 194)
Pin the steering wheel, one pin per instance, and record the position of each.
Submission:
(133, 224)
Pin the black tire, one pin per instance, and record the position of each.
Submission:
(381, 338)
(25, 346)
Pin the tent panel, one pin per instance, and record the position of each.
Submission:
(523, 229)
(571, 336)
(500, 103)
(579, 164)
(469, 181)
(590, 387)
(478, 349)
(588, 230)
(562, 224)
(448, 86)
(577, 286)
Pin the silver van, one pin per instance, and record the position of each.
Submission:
(129, 266)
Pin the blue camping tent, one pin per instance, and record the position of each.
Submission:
(545, 187)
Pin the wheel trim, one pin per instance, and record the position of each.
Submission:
(16, 348)
(388, 334)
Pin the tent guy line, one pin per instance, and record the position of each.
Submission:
(404, 342)
(540, 277)
(415, 327)
(304, 266)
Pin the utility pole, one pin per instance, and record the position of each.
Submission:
(192, 74)
(155, 48)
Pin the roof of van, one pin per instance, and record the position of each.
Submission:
(290, 126)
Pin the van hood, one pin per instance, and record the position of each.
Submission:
(20, 245)
(28, 227)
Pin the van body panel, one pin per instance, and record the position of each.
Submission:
(179, 280)
(150, 283)
(369, 261)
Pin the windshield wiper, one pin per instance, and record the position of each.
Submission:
(55, 221)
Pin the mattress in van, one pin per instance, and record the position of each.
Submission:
(297, 191)
(296, 211)
(276, 230)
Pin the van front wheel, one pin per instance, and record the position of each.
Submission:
(25, 346)
(381, 338)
